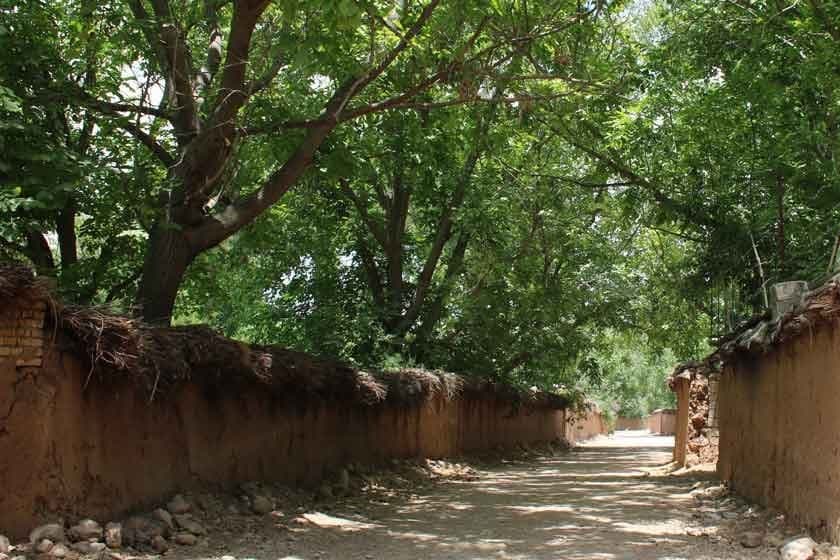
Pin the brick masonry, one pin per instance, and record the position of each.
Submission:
(22, 333)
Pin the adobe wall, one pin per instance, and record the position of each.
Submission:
(779, 425)
(22, 333)
(101, 450)
(662, 422)
(586, 426)
(624, 423)
(682, 387)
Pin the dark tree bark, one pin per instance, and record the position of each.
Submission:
(65, 226)
(403, 310)
(38, 251)
(207, 130)
(167, 260)
(185, 228)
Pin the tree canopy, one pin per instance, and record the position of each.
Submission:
(556, 193)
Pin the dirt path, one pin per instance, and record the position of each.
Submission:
(593, 503)
(605, 500)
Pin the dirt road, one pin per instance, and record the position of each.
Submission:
(593, 503)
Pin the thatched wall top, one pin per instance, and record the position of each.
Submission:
(159, 358)
(818, 308)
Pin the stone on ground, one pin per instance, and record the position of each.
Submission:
(752, 539)
(800, 548)
(43, 546)
(88, 548)
(59, 551)
(178, 505)
(164, 517)
(159, 544)
(113, 535)
(51, 531)
(85, 529)
(140, 530)
(325, 492)
(5, 545)
(190, 525)
(186, 539)
(261, 505)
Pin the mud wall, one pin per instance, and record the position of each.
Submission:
(585, 426)
(662, 422)
(779, 423)
(682, 386)
(102, 450)
(624, 423)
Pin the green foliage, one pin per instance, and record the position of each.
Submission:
(554, 194)
(625, 376)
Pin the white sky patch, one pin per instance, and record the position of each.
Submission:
(346, 261)
(718, 77)
(320, 83)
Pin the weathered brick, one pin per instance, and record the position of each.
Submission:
(5, 351)
(30, 342)
(31, 362)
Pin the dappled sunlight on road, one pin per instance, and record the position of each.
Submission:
(595, 502)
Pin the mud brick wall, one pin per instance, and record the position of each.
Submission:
(662, 422)
(682, 387)
(22, 333)
(624, 423)
(70, 449)
(779, 421)
(581, 427)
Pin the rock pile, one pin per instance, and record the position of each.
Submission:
(153, 532)
(723, 516)
(258, 514)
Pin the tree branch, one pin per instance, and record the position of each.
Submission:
(377, 70)
(214, 48)
(371, 273)
(444, 229)
(232, 90)
(148, 140)
(374, 228)
(265, 80)
(179, 66)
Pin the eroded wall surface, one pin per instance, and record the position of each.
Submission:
(101, 450)
(779, 419)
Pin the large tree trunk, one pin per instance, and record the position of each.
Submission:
(168, 256)
(38, 251)
(65, 226)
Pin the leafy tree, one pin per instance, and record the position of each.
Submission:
(234, 101)
(626, 378)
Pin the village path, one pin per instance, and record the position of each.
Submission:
(594, 503)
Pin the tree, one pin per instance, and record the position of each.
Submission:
(229, 136)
